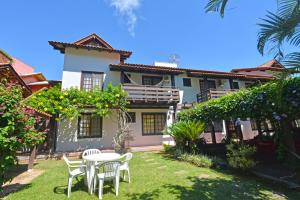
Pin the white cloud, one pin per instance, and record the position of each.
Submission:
(127, 9)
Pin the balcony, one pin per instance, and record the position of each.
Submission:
(142, 94)
(212, 94)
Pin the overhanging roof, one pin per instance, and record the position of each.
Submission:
(9, 73)
(170, 70)
(272, 65)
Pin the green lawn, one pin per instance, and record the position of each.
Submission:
(155, 177)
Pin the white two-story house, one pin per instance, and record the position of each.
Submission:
(155, 92)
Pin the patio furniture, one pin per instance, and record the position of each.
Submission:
(76, 168)
(125, 164)
(90, 152)
(91, 161)
(108, 171)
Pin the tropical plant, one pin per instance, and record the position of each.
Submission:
(276, 29)
(277, 101)
(17, 127)
(186, 134)
(239, 156)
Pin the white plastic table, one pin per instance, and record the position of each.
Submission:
(91, 161)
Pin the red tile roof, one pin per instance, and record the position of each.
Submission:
(96, 39)
(10, 74)
(171, 70)
(272, 65)
(93, 42)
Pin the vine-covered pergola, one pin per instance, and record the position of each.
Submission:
(70, 103)
(277, 101)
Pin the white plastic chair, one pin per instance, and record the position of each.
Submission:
(125, 164)
(90, 152)
(76, 168)
(108, 171)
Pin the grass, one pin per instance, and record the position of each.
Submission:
(155, 176)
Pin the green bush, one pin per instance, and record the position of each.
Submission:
(198, 160)
(168, 148)
(185, 134)
(240, 156)
(17, 127)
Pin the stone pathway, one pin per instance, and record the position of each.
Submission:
(203, 176)
(20, 181)
(162, 167)
(181, 172)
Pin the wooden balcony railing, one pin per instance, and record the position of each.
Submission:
(151, 94)
(212, 94)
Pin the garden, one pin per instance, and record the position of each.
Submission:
(185, 170)
(155, 176)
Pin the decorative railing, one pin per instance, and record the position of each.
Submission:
(151, 94)
(212, 94)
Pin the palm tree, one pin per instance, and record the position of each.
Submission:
(276, 29)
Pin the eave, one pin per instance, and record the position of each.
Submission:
(61, 46)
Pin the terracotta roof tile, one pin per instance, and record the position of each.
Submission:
(171, 70)
(272, 65)
(9, 73)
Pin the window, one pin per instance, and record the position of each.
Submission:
(151, 80)
(236, 85)
(127, 78)
(187, 82)
(91, 80)
(218, 125)
(153, 123)
(130, 117)
(211, 84)
(89, 126)
(253, 124)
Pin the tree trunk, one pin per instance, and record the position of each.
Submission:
(213, 134)
(31, 158)
(228, 131)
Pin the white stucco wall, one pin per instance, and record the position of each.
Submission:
(136, 129)
(188, 94)
(78, 60)
(68, 129)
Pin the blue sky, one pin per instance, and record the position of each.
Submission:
(151, 29)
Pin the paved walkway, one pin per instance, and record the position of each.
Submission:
(19, 181)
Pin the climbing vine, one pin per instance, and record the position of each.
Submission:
(69, 103)
(277, 101)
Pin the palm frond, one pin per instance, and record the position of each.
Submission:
(216, 6)
(292, 61)
(287, 7)
(278, 28)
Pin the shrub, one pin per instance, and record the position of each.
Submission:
(17, 128)
(198, 160)
(185, 134)
(240, 156)
(168, 148)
